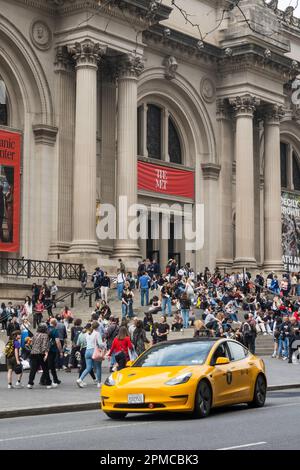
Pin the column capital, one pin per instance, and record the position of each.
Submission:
(224, 111)
(273, 114)
(130, 66)
(87, 53)
(211, 171)
(244, 105)
(62, 61)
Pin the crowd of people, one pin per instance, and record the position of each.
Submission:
(213, 304)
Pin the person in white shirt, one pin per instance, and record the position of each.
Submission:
(120, 283)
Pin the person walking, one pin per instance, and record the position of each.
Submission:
(248, 330)
(55, 348)
(120, 283)
(83, 282)
(105, 286)
(166, 294)
(163, 329)
(67, 316)
(39, 356)
(38, 313)
(62, 334)
(81, 343)
(139, 338)
(127, 301)
(285, 331)
(53, 291)
(13, 359)
(144, 283)
(185, 305)
(93, 342)
(120, 347)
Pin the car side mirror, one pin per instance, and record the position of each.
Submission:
(222, 361)
(129, 363)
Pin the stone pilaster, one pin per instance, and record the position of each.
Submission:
(86, 55)
(272, 190)
(126, 191)
(226, 151)
(244, 107)
(63, 163)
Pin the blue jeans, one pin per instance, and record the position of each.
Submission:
(90, 364)
(166, 302)
(127, 310)
(185, 315)
(283, 342)
(233, 316)
(144, 291)
(120, 287)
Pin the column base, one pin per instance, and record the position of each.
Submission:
(273, 265)
(223, 263)
(126, 252)
(84, 246)
(247, 263)
(58, 247)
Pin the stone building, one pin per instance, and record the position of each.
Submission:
(97, 87)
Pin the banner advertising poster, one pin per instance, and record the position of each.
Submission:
(166, 180)
(10, 159)
(290, 219)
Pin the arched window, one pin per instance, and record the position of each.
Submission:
(3, 104)
(290, 167)
(157, 134)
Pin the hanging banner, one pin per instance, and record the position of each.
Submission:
(290, 220)
(10, 159)
(166, 180)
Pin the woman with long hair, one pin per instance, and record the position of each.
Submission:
(93, 342)
(139, 338)
(120, 347)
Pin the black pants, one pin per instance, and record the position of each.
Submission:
(51, 366)
(4, 324)
(59, 361)
(72, 359)
(37, 319)
(37, 360)
(249, 342)
(83, 364)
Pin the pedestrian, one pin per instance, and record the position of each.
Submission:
(39, 356)
(67, 316)
(75, 332)
(54, 349)
(144, 283)
(185, 305)
(163, 329)
(122, 266)
(127, 301)
(93, 343)
(120, 283)
(166, 293)
(248, 330)
(62, 334)
(81, 343)
(139, 338)
(38, 313)
(83, 282)
(13, 359)
(105, 286)
(120, 347)
(12, 326)
(4, 317)
(285, 331)
(54, 290)
(110, 334)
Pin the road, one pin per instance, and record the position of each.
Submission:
(276, 426)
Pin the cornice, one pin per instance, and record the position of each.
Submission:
(286, 17)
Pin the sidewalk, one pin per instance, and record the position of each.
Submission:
(69, 397)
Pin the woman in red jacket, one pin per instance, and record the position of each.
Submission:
(120, 347)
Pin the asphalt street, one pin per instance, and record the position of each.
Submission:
(276, 426)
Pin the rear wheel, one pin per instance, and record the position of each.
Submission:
(260, 392)
(114, 415)
(203, 400)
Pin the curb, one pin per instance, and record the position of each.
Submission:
(95, 405)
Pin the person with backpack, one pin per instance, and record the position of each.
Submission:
(111, 333)
(54, 349)
(39, 356)
(75, 332)
(92, 358)
(13, 359)
(139, 338)
(248, 330)
(120, 347)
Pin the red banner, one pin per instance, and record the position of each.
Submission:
(10, 159)
(166, 180)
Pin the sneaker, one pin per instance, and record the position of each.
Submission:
(29, 386)
(273, 355)
(284, 358)
(10, 386)
(95, 381)
(99, 384)
(49, 386)
(265, 334)
(80, 383)
(58, 382)
(19, 385)
(54, 385)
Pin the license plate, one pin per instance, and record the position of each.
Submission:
(138, 398)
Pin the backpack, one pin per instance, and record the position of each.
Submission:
(247, 330)
(9, 349)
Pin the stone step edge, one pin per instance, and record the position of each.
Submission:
(86, 406)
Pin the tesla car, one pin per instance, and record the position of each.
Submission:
(186, 375)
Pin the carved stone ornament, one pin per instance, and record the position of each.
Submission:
(208, 90)
(171, 66)
(244, 104)
(87, 53)
(41, 35)
(274, 113)
(130, 66)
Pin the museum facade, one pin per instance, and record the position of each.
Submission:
(127, 101)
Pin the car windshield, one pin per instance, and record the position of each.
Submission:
(175, 354)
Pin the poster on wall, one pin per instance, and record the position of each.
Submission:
(10, 159)
(290, 220)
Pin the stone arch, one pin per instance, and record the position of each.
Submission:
(188, 109)
(24, 76)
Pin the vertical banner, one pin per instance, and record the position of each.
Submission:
(290, 220)
(10, 160)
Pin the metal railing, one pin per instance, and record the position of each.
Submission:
(43, 269)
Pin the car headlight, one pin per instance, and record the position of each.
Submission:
(180, 379)
(110, 381)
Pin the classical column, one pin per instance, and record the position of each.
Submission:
(226, 151)
(87, 55)
(164, 241)
(126, 185)
(245, 254)
(272, 190)
(63, 163)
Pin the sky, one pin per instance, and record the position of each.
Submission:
(282, 4)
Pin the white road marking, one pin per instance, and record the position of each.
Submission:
(33, 436)
(243, 445)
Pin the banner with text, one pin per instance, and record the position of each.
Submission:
(166, 180)
(10, 159)
(290, 219)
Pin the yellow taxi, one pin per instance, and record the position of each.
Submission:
(186, 375)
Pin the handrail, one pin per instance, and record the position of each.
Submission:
(31, 268)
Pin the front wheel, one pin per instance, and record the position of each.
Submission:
(203, 400)
(114, 415)
(260, 392)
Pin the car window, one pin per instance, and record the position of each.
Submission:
(237, 351)
(221, 351)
